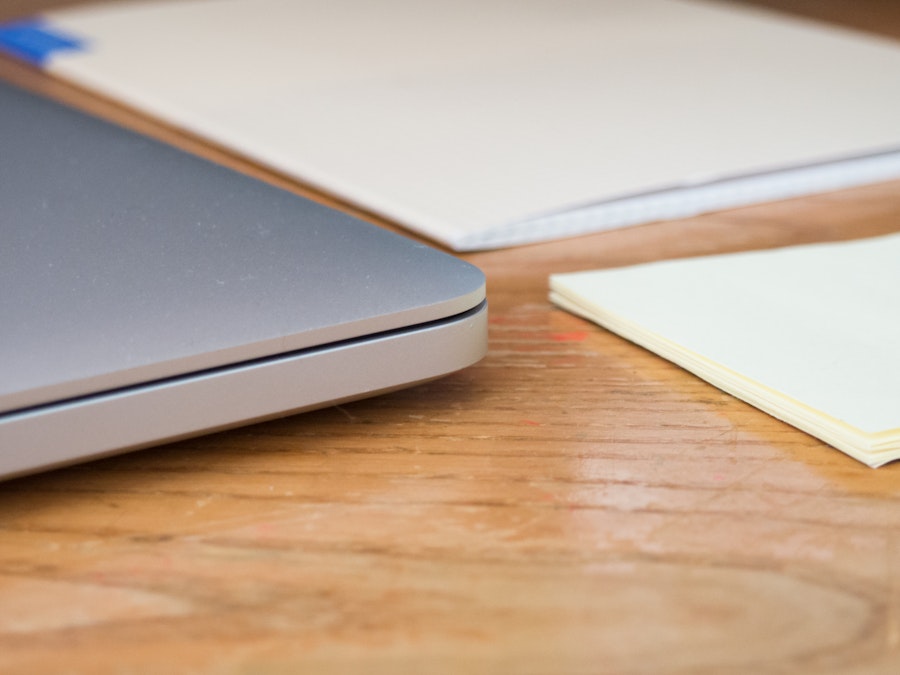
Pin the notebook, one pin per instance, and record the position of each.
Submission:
(149, 295)
(809, 334)
(489, 123)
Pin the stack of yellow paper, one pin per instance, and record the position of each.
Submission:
(809, 334)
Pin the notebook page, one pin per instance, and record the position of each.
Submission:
(462, 119)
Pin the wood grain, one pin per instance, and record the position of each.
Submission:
(572, 504)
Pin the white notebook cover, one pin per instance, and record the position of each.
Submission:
(486, 123)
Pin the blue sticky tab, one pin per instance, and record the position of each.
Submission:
(32, 40)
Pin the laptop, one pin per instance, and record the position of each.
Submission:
(148, 295)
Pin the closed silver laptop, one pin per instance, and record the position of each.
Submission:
(149, 295)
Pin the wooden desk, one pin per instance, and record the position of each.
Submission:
(571, 504)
